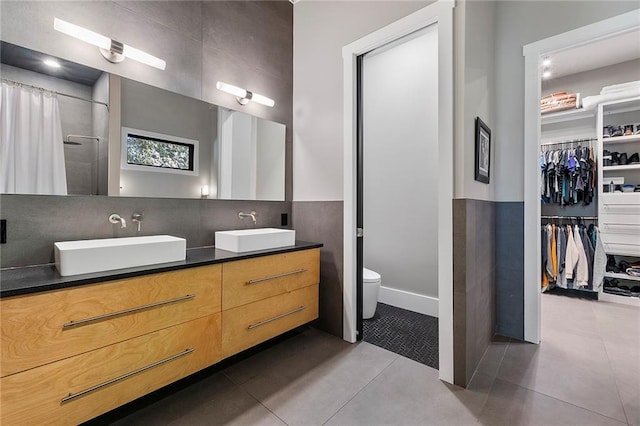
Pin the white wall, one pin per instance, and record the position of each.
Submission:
(474, 44)
(400, 92)
(320, 30)
(519, 23)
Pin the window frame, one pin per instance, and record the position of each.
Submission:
(126, 131)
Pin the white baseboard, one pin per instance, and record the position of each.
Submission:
(410, 301)
(614, 298)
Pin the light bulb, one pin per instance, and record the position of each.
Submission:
(83, 34)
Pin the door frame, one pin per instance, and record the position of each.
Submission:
(533, 54)
(440, 12)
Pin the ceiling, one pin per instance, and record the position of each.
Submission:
(613, 50)
(31, 60)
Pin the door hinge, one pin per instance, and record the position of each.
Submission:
(359, 232)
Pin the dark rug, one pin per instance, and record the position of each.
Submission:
(406, 333)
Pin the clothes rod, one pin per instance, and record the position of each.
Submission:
(55, 92)
(570, 217)
(567, 142)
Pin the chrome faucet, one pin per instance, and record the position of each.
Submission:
(115, 218)
(137, 218)
(251, 214)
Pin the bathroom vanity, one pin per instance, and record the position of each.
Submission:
(75, 347)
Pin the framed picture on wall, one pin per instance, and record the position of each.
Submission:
(483, 151)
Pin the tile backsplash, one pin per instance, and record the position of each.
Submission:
(35, 222)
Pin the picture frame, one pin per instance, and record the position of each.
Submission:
(483, 152)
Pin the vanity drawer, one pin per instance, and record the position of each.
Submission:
(247, 281)
(79, 388)
(248, 325)
(46, 327)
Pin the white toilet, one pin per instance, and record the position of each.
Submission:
(370, 289)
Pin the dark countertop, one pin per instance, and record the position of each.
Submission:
(35, 279)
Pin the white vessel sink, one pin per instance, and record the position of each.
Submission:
(254, 239)
(87, 256)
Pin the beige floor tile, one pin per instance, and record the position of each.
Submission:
(492, 358)
(618, 323)
(310, 389)
(409, 393)
(568, 314)
(567, 366)
(509, 404)
(211, 401)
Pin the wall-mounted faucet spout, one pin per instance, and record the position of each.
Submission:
(252, 215)
(137, 218)
(115, 218)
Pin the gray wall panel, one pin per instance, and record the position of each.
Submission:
(32, 228)
(510, 269)
(321, 221)
(474, 226)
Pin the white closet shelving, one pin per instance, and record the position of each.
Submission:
(619, 212)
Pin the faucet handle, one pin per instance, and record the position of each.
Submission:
(115, 218)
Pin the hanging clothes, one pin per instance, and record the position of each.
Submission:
(570, 259)
(568, 176)
(581, 277)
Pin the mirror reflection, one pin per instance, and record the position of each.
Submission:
(70, 129)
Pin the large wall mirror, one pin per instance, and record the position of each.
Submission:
(72, 130)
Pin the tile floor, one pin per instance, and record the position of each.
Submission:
(403, 332)
(586, 372)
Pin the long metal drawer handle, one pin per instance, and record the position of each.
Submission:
(273, 277)
(73, 396)
(621, 224)
(261, 323)
(126, 311)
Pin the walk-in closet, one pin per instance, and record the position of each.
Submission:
(590, 173)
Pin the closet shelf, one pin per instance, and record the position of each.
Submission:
(621, 139)
(568, 115)
(621, 276)
(621, 168)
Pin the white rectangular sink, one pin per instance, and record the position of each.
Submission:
(254, 239)
(87, 256)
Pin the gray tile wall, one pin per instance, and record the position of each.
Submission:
(321, 221)
(35, 222)
(510, 269)
(474, 272)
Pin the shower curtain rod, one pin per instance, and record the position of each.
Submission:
(57, 93)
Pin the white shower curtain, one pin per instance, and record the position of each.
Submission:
(31, 149)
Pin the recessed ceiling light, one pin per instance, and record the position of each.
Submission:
(546, 62)
(546, 74)
(51, 63)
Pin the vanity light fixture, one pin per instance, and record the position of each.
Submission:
(546, 61)
(114, 51)
(546, 73)
(243, 96)
(51, 63)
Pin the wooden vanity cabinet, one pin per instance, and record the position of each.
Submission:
(70, 355)
(266, 296)
(45, 327)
